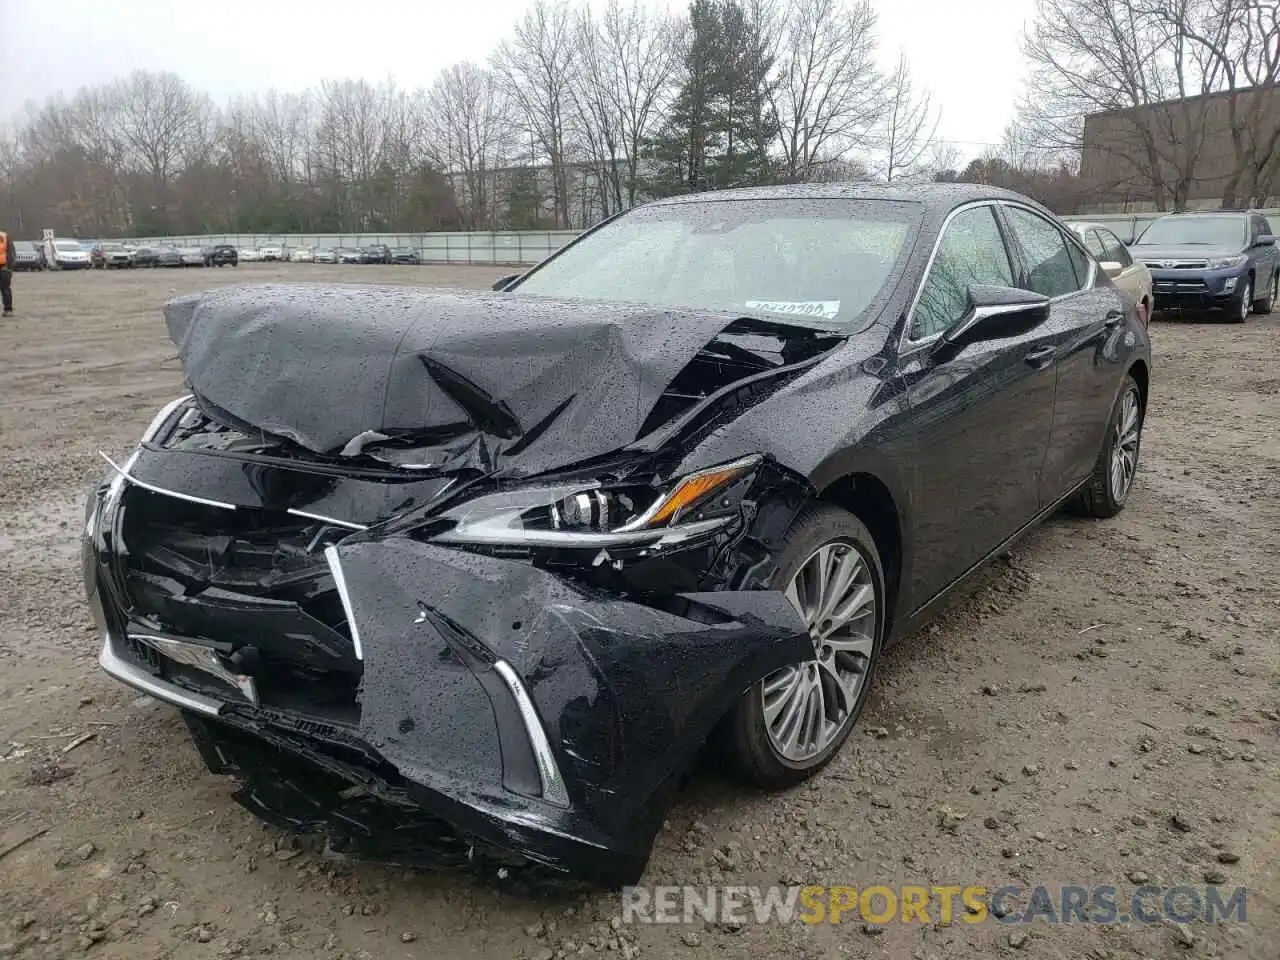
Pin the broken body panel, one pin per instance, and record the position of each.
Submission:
(275, 563)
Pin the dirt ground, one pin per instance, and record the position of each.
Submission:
(1101, 710)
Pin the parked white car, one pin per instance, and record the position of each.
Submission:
(271, 252)
(1130, 275)
(249, 255)
(303, 255)
(70, 255)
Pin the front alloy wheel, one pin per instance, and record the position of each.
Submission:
(790, 725)
(807, 706)
(1246, 303)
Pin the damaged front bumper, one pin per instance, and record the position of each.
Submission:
(481, 702)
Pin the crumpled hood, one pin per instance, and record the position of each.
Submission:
(495, 380)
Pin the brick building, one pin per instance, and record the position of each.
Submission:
(1189, 143)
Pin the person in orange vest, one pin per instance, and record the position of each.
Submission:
(6, 273)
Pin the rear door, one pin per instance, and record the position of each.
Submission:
(982, 417)
(1083, 316)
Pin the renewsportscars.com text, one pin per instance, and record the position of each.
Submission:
(1103, 904)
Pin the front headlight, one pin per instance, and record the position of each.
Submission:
(598, 515)
(1222, 263)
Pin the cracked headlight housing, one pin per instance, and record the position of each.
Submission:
(596, 514)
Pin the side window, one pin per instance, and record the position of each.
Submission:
(1260, 228)
(1115, 250)
(972, 251)
(1051, 268)
(1093, 241)
(1079, 261)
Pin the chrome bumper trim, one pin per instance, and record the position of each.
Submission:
(139, 679)
(553, 788)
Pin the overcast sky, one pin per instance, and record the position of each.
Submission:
(965, 53)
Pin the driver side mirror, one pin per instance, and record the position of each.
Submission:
(994, 313)
(1112, 268)
(502, 282)
(1265, 240)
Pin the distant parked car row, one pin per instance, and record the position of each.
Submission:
(110, 254)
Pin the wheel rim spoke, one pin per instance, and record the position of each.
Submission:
(1124, 450)
(809, 705)
(858, 644)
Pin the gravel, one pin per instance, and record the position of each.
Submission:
(985, 733)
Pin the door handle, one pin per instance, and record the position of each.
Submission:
(1040, 356)
(1113, 319)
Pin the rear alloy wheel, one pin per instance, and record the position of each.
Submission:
(789, 726)
(1109, 487)
(1245, 306)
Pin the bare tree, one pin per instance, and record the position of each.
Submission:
(1147, 77)
(469, 130)
(626, 65)
(537, 67)
(1239, 40)
(944, 160)
(161, 119)
(909, 125)
(829, 94)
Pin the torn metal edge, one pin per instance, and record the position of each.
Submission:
(123, 473)
(323, 519)
(340, 581)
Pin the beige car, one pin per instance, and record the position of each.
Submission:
(1131, 276)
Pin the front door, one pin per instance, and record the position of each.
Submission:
(981, 417)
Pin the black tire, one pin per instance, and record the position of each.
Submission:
(1240, 310)
(1099, 499)
(1268, 303)
(745, 737)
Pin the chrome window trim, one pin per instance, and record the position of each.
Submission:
(907, 346)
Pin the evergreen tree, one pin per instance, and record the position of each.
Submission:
(719, 128)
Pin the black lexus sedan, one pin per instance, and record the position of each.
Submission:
(475, 575)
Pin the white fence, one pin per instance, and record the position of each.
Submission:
(522, 247)
(1129, 226)
(511, 247)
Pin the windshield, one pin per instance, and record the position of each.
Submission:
(811, 260)
(1195, 232)
(67, 246)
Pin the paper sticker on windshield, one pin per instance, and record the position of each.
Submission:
(822, 309)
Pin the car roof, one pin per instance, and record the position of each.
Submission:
(1209, 214)
(940, 196)
(1081, 227)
